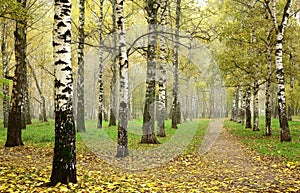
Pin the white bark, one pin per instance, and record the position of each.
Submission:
(100, 76)
(122, 149)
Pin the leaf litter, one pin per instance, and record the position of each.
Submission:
(227, 166)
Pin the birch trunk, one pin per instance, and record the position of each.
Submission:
(292, 82)
(282, 112)
(241, 111)
(268, 108)
(280, 29)
(247, 107)
(162, 74)
(122, 149)
(149, 107)
(255, 106)
(26, 102)
(100, 78)
(15, 123)
(80, 80)
(175, 105)
(5, 86)
(64, 159)
(113, 82)
(234, 105)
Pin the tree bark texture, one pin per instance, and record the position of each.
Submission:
(292, 82)
(280, 30)
(175, 105)
(80, 80)
(100, 77)
(162, 74)
(241, 110)
(64, 159)
(255, 106)
(247, 107)
(149, 107)
(268, 108)
(113, 82)
(17, 97)
(5, 86)
(234, 105)
(26, 102)
(122, 148)
(282, 110)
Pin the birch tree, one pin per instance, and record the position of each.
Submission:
(268, 109)
(113, 81)
(26, 102)
(80, 81)
(255, 106)
(122, 148)
(247, 107)
(162, 73)
(5, 86)
(234, 110)
(100, 77)
(17, 97)
(149, 107)
(175, 105)
(64, 159)
(280, 32)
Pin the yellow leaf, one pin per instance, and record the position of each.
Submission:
(292, 189)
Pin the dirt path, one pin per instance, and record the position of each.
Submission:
(229, 160)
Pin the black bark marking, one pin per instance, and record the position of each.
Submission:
(61, 97)
(63, 51)
(57, 83)
(123, 105)
(56, 17)
(60, 62)
(55, 43)
(67, 89)
(61, 24)
(66, 36)
(67, 68)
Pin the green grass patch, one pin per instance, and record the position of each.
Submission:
(135, 133)
(42, 134)
(39, 134)
(269, 145)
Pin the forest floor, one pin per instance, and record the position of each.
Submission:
(223, 165)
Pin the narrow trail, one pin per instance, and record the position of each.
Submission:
(229, 160)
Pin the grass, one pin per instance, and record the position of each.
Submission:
(42, 134)
(38, 134)
(269, 145)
